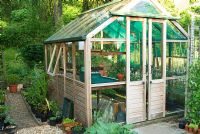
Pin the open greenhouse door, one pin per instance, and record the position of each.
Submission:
(136, 70)
(156, 68)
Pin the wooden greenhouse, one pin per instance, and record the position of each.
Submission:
(127, 57)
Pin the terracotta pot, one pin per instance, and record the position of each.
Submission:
(13, 88)
(120, 76)
(195, 131)
(101, 72)
(69, 132)
(199, 131)
(70, 125)
(190, 130)
(186, 127)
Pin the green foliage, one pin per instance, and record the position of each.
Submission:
(101, 127)
(77, 128)
(169, 5)
(12, 79)
(67, 120)
(9, 120)
(20, 15)
(185, 19)
(56, 111)
(52, 118)
(194, 126)
(70, 12)
(36, 94)
(33, 54)
(3, 111)
(109, 92)
(193, 102)
(3, 24)
(16, 70)
(2, 96)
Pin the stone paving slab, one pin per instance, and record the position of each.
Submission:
(161, 128)
(19, 111)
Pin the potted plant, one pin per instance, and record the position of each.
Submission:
(120, 70)
(182, 123)
(120, 76)
(68, 122)
(77, 130)
(192, 126)
(52, 121)
(12, 80)
(187, 127)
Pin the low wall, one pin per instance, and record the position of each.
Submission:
(74, 91)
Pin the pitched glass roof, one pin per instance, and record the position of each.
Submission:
(78, 29)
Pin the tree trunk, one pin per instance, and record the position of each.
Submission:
(57, 10)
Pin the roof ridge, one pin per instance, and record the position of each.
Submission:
(104, 5)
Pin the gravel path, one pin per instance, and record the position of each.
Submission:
(44, 129)
(19, 111)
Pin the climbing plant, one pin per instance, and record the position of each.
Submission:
(193, 103)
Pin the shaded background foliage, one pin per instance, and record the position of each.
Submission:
(30, 22)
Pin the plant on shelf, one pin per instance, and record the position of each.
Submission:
(118, 70)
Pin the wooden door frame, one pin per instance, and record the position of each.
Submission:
(163, 79)
(128, 81)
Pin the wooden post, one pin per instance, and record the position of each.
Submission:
(149, 65)
(74, 60)
(144, 44)
(57, 61)
(74, 68)
(87, 61)
(50, 50)
(164, 44)
(101, 41)
(46, 57)
(127, 63)
(52, 57)
(64, 64)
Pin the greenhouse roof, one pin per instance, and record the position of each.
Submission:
(78, 29)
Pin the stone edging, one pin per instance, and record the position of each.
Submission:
(30, 111)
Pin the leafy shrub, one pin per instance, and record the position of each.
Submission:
(101, 127)
(56, 111)
(36, 94)
(33, 54)
(12, 79)
(193, 103)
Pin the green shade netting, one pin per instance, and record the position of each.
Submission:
(117, 30)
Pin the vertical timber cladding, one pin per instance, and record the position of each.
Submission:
(135, 90)
(157, 100)
(157, 87)
(80, 103)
